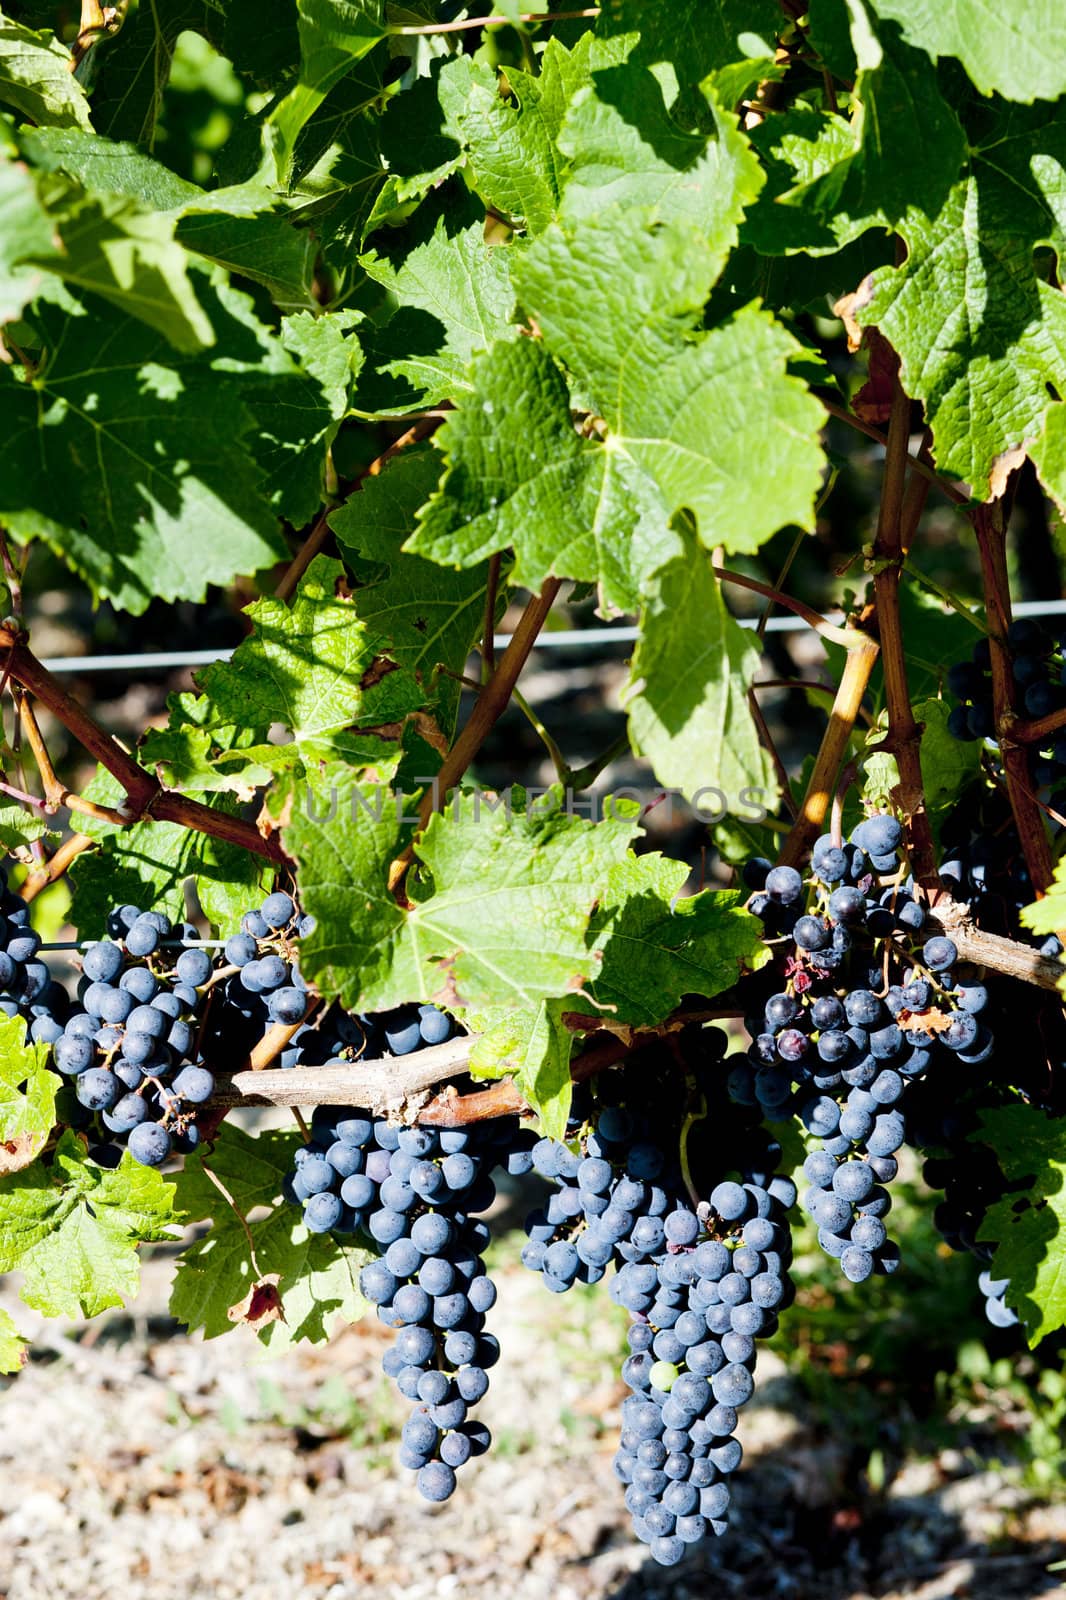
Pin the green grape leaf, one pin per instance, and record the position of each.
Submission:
(26, 235)
(299, 423)
(616, 304)
(830, 30)
(331, 128)
(421, 144)
(149, 864)
(519, 476)
(13, 1347)
(453, 298)
(807, 156)
(19, 827)
(658, 945)
(72, 1229)
(1048, 451)
(911, 144)
(486, 869)
(196, 756)
(28, 1091)
(306, 1282)
(108, 246)
(334, 35)
(307, 664)
(430, 615)
(830, 179)
(512, 143)
(137, 469)
(980, 334)
(627, 150)
(36, 79)
(687, 696)
(240, 227)
(373, 523)
(1018, 51)
(695, 36)
(948, 764)
(1028, 1225)
(534, 1047)
(131, 69)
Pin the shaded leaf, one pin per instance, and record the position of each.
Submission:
(687, 697)
(310, 1279)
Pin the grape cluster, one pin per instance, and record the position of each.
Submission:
(1039, 670)
(943, 1117)
(27, 988)
(327, 1180)
(259, 980)
(701, 1281)
(415, 1192)
(132, 1045)
(697, 1314)
(342, 1036)
(147, 1018)
(864, 1009)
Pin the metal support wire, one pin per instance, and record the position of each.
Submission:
(164, 944)
(567, 638)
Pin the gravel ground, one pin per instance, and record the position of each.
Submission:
(137, 1462)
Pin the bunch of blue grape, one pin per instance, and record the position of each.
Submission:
(984, 868)
(342, 1036)
(152, 1008)
(259, 982)
(332, 1191)
(27, 988)
(701, 1281)
(1039, 670)
(698, 1312)
(865, 1007)
(415, 1194)
(943, 1118)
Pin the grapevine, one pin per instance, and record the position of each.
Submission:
(444, 343)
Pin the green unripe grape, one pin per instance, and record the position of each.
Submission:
(664, 1375)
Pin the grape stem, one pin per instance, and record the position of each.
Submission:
(767, 741)
(277, 1036)
(695, 1114)
(850, 638)
(846, 706)
(912, 464)
(384, 1083)
(53, 869)
(488, 708)
(496, 21)
(1037, 730)
(898, 515)
(147, 800)
(56, 794)
(990, 526)
(316, 539)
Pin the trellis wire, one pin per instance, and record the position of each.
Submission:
(572, 638)
(164, 944)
